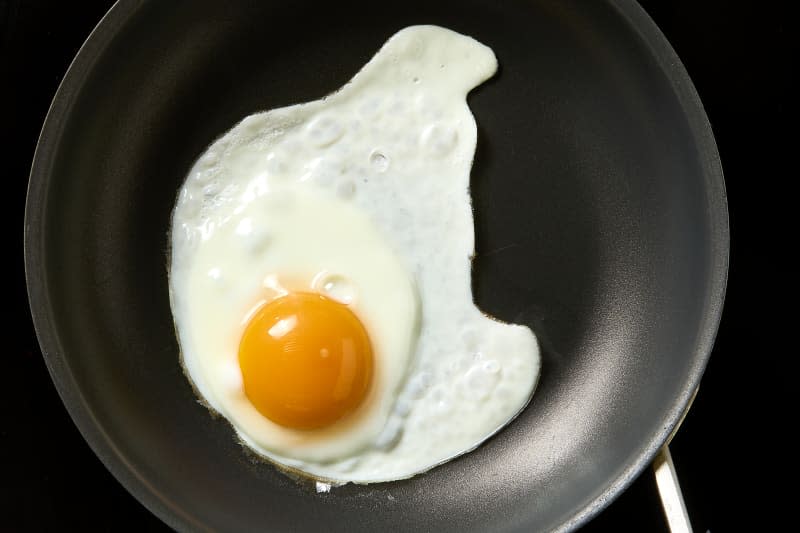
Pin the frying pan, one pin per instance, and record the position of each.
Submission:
(600, 219)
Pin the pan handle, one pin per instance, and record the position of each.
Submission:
(670, 492)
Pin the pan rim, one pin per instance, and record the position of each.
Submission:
(44, 319)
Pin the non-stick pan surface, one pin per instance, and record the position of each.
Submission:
(600, 218)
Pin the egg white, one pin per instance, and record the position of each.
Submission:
(390, 153)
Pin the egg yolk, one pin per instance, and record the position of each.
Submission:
(306, 361)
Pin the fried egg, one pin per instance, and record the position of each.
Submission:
(320, 274)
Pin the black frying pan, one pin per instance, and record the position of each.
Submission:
(600, 218)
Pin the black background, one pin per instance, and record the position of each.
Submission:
(737, 55)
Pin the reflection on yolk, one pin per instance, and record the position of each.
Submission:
(306, 361)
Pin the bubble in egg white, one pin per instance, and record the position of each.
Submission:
(338, 288)
(325, 130)
(275, 164)
(439, 139)
(379, 161)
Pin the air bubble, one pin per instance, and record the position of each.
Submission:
(325, 130)
(202, 176)
(337, 288)
(480, 381)
(275, 163)
(212, 189)
(379, 161)
(491, 366)
(439, 139)
(208, 160)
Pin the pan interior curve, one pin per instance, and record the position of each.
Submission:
(600, 223)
